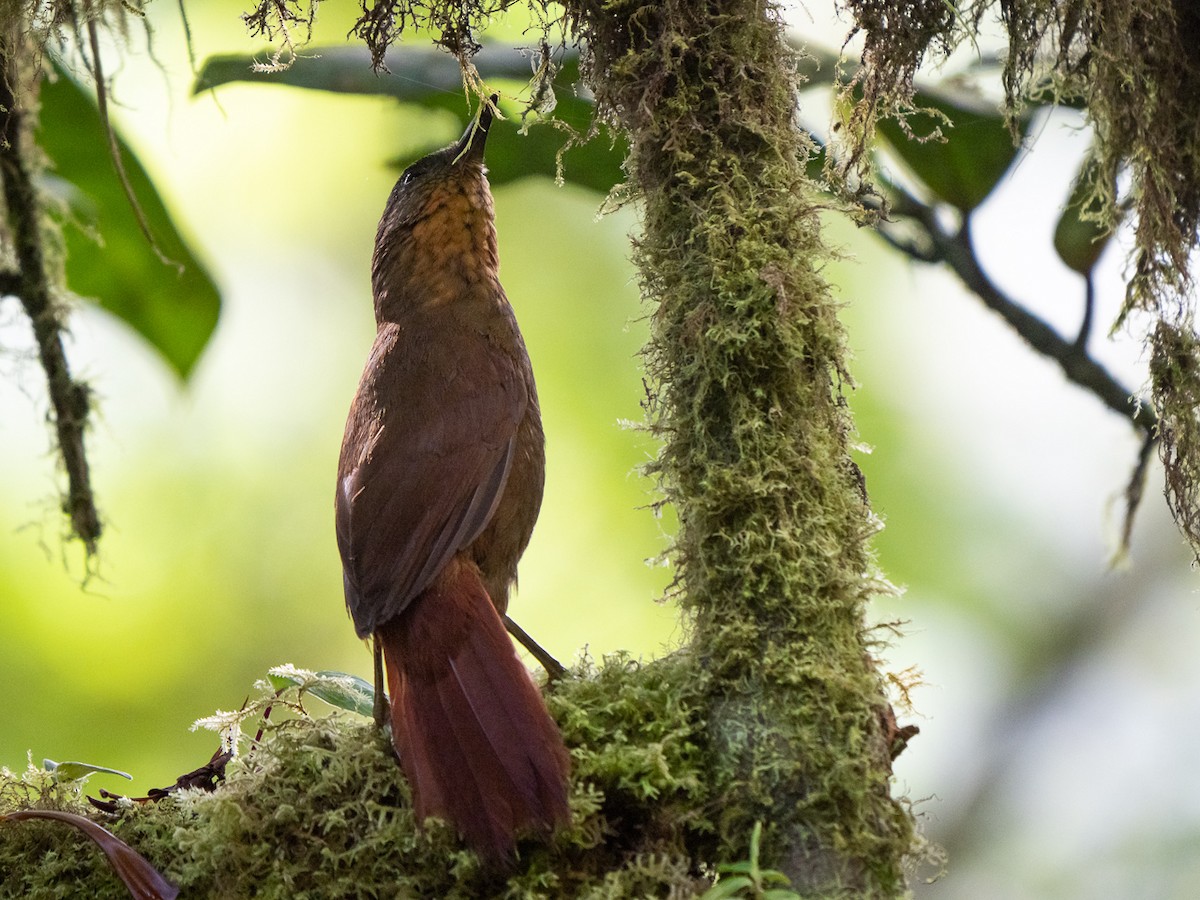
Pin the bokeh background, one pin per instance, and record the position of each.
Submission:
(1057, 703)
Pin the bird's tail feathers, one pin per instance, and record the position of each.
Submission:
(469, 724)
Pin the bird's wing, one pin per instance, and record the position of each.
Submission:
(427, 451)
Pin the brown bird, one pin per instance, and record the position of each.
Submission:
(439, 485)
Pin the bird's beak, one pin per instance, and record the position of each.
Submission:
(470, 145)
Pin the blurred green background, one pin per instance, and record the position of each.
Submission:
(1058, 710)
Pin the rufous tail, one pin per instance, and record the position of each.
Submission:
(468, 723)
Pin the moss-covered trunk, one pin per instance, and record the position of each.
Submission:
(747, 358)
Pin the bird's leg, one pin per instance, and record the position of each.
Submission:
(381, 701)
(553, 667)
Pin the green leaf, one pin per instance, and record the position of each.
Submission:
(174, 311)
(413, 72)
(431, 79)
(1080, 238)
(744, 865)
(727, 887)
(73, 771)
(348, 692)
(977, 150)
(773, 876)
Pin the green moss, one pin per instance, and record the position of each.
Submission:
(1100, 48)
(897, 39)
(320, 809)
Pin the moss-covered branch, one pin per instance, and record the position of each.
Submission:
(317, 808)
(747, 358)
(69, 399)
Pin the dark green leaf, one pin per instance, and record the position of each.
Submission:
(432, 79)
(174, 311)
(413, 72)
(142, 879)
(1080, 239)
(978, 147)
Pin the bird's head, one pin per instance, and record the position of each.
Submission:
(455, 170)
(437, 236)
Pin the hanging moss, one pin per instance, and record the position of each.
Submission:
(1175, 379)
(1141, 82)
(897, 39)
(1135, 69)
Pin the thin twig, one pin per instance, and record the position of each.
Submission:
(114, 149)
(1089, 308)
(1135, 489)
(187, 38)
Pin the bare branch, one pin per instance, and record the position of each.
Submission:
(1135, 489)
(935, 244)
(956, 249)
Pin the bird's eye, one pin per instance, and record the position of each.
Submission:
(407, 178)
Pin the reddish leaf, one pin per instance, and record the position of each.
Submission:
(142, 879)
